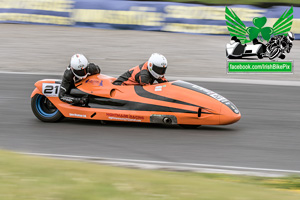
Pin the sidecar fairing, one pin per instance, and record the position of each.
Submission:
(176, 102)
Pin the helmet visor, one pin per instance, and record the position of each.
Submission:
(80, 73)
(159, 70)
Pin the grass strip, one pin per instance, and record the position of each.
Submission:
(28, 178)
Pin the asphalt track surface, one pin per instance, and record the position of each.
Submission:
(267, 136)
(48, 49)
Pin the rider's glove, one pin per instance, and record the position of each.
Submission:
(83, 101)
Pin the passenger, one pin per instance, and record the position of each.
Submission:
(255, 42)
(145, 74)
(78, 70)
(235, 39)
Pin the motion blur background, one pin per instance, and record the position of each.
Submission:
(40, 36)
(191, 35)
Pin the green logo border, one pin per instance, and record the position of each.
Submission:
(260, 72)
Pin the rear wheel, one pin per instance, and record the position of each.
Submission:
(282, 56)
(44, 110)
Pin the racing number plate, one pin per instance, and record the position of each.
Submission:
(51, 89)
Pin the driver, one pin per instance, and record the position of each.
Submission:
(290, 38)
(282, 41)
(78, 70)
(145, 74)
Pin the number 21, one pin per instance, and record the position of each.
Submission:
(49, 89)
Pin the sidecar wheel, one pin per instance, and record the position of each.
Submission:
(260, 56)
(44, 110)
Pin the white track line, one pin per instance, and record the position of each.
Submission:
(238, 81)
(151, 164)
(187, 78)
(32, 73)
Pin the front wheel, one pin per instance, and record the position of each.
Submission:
(274, 53)
(44, 110)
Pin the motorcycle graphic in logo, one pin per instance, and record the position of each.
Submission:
(279, 39)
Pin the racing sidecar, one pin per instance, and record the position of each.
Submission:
(176, 102)
(235, 49)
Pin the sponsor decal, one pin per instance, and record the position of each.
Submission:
(261, 42)
(158, 88)
(77, 115)
(208, 93)
(124, 117)
(94, 82)
(211, 93)
(41, 12)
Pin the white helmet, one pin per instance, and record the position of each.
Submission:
(290, 36)
(157, 65)
(78, 66)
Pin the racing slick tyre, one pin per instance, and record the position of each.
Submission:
(274, 53)
(282, 56)
(44, 110)
(260, 56)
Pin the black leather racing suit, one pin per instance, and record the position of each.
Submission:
(68, 82)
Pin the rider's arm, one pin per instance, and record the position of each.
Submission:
(145, 77)
(65, 88)
(93, 69)
(290, 45)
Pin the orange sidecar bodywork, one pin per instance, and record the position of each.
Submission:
(176, 102)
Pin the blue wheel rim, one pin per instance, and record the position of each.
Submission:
(41, 111)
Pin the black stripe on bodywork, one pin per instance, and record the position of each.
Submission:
(117, 104)
(207, 92)
(144, 93)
